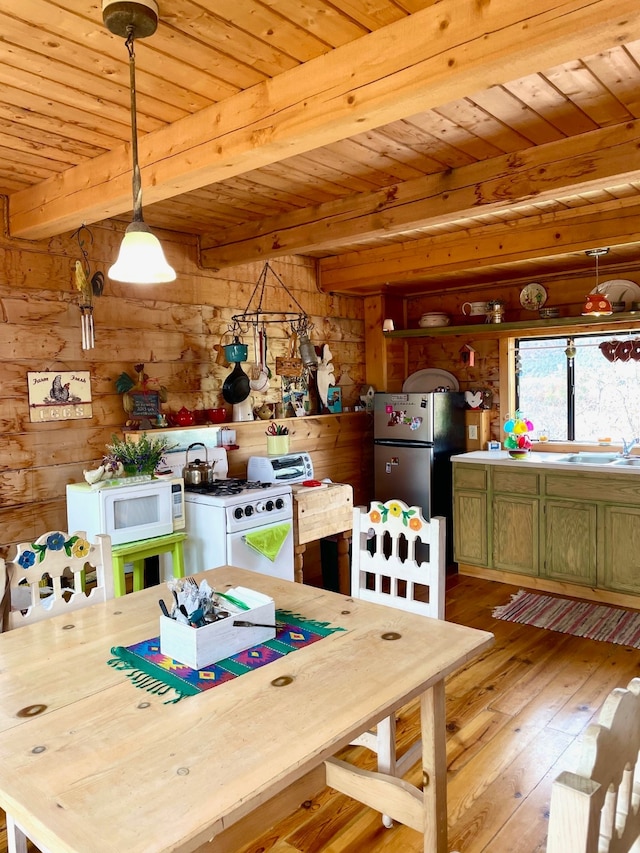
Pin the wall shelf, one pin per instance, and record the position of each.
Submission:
(558, 324)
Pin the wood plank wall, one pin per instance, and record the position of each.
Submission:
(171, 328)
(341, 447)
(568, 294)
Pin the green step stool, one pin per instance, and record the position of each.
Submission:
(138, 552)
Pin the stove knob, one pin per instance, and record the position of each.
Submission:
(279, 503)
(248, 510)
(269, 506)
(238, 512)
(260, 506)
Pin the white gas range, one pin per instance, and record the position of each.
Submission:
(236, 522)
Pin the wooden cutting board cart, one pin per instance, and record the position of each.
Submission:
(318, 512)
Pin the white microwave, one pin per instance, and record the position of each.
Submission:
(127, 513)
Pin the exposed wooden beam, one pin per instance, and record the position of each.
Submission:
(533, 238)
(596, 160)
(429, 58)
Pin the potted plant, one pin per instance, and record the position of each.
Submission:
(142, 456)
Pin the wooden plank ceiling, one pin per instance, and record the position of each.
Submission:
(407, 143)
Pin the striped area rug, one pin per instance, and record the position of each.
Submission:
(580, 618)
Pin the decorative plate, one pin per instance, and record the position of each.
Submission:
(618, 290)
(424, 381)
(533, 296)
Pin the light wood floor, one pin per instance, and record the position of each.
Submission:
(514, 718)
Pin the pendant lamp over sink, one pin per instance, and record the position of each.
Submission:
(597, 304)
(141, 259)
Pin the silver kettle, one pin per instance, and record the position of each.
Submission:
(197, 473)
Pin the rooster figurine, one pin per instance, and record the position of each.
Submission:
(125, 385)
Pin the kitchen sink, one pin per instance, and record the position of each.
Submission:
(634, 461)
(592, 458)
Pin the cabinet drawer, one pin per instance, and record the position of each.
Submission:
(594, 487)
(469, 476)
(516, 482)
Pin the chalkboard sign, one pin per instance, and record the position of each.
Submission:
(145, 405)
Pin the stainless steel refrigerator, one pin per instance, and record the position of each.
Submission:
(415, 436)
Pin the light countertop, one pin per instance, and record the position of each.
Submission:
(543, 459)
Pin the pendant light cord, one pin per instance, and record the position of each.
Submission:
(135, 180)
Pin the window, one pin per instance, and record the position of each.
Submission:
(584, 388)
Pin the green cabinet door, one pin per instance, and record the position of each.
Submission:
(515, 534)
(620, 537)
(470, 527)
(569, 541)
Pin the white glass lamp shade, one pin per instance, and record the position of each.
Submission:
(387, 326)
(141, 259)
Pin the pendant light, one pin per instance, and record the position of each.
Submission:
(597, 304)
(141, 259)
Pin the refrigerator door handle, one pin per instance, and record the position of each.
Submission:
(393, 442)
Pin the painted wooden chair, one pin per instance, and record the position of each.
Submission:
(36, 592)
(5, 596)
(596, 809)
(397, 559)
(37, 571)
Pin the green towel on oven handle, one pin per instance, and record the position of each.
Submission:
(268, 542)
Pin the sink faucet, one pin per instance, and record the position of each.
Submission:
(627, 446)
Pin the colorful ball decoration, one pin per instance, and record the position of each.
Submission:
(517, 440)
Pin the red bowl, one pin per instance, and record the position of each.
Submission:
(217, 416)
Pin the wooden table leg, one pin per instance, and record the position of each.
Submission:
(434, 768)
(298, 563)
(344, 569)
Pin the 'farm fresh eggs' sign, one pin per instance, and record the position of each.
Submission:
(60, 396)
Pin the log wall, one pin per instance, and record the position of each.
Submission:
(171, 328)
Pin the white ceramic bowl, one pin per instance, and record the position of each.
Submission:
(433, 319)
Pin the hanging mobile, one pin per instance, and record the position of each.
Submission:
(88, 287)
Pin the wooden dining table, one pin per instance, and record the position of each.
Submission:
(90, 763)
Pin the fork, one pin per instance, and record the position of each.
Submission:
(190, 579)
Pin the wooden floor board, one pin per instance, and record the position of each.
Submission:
(509, 783)
(514, 719)
(615, 667)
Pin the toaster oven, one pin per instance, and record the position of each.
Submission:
(288, 468)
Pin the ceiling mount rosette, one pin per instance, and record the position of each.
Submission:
(120, 16)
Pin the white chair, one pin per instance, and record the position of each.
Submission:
(36, 576)
(36, 593)
(5, 597)
(397, 559)
(596, 809)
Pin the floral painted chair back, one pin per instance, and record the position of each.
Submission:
(389, 566)
(37, 570)
(397, 559)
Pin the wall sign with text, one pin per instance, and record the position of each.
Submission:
(63, 396)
